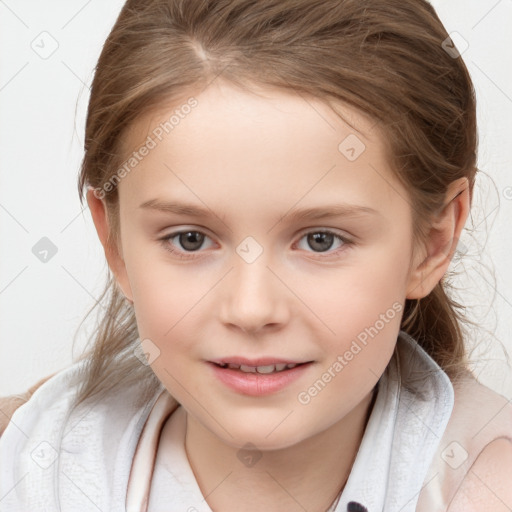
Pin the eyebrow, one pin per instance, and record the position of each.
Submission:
(323, 212)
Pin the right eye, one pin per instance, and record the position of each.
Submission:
(189, 239)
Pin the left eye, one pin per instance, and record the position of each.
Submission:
(191, 241)
(323, 240)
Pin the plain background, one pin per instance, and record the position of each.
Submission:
(48, 51)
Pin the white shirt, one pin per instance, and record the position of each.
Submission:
(92, 458)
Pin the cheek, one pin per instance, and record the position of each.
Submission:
(166, 311)
(362, 308)
(366, 324)
(170, 303)
(158, 303)
(357, 296)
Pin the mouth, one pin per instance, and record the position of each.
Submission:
(265, 376)
(262, 369)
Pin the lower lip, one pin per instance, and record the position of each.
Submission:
(258, 384)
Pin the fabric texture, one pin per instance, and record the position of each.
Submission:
(100, 456)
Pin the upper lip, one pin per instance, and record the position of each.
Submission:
(261, 361)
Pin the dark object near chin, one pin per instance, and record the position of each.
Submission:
(356, 507)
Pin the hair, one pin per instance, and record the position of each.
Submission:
(386, 58)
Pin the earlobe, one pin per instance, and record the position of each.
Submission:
(115, 261)
(442, 241)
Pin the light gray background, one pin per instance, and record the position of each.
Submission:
(43, 101)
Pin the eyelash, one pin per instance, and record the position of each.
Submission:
(190, 256)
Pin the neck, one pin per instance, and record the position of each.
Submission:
(308, 475)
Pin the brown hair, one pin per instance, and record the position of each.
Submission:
(386, 58)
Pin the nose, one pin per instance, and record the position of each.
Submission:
(254, 297)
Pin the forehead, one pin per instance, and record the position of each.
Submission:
(266, 144)
(222, 106)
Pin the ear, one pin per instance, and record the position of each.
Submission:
(442, 241)
(113, 253)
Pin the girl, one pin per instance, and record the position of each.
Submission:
(279, 187)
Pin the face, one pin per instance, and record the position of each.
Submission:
(251, 277)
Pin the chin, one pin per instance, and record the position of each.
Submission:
(260, 439)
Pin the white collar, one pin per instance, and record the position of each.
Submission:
(410, 415)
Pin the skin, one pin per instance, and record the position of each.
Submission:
(486, 487)
(250, 158)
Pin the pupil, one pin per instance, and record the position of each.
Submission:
(325, 240)
(190, 238)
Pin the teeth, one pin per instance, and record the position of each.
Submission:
(271, 368)
(266, 369)
(249, 369)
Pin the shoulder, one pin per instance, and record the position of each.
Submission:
(9, 404)
(484, 421)
(486, 486)
(480, 411)
(474, 452)
(52, 442)
(49, 400)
